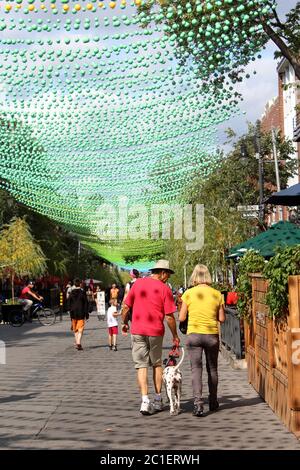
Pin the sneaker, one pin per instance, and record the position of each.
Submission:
(146, 408)
(115, 348)
(110, 348)
(79, 347)
(214, 406)
(198, 410)
(158, 405)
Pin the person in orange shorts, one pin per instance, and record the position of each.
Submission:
(78, 307)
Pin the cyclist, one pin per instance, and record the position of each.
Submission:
(26, 299)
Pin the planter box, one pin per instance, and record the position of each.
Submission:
(6, 309)
(272, 352)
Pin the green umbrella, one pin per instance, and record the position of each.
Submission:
(281, 234)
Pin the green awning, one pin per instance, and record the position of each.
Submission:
(281, 234)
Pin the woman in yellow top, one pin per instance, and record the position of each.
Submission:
(205, 307)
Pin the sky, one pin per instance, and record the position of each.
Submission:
(259, 89)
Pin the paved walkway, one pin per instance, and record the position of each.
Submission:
(54, 397)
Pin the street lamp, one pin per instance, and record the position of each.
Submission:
(274, 133)
(258, 156)
(184, 274)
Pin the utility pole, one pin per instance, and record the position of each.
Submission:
(258, 156)
(78, 256)
(275, 158)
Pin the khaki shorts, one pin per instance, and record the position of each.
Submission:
(146, 350)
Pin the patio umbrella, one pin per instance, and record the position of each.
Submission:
(92, 281)
(286, 197)
(281, 234)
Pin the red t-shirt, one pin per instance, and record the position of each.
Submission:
(150, 300)
(24, 293)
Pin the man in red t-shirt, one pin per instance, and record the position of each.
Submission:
(151, 301)
(26, 296)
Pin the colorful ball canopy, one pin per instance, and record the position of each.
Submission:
(96, 110)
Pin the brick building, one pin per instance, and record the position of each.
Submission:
(273, 116)
(281, 114)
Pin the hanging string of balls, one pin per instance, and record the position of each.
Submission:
(94, 108)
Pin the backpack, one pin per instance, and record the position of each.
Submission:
(232, 298)
(130, 310)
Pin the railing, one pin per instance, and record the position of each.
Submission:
(297, 127)
(232, 333)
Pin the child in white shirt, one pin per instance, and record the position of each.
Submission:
(112, 323)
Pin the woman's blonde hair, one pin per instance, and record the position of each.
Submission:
(200, 275)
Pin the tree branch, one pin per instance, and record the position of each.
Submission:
(282, 47)
(278, 22)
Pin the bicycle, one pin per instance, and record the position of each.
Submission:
(46, 316)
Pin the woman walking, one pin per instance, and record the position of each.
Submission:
(205, 308)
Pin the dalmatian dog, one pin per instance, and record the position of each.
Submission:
(172, 379)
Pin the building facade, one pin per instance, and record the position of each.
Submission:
(282, 115)
(289, 94)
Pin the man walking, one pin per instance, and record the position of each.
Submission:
(78, 307)
(151, 302)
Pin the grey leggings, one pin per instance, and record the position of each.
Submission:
(195, 344)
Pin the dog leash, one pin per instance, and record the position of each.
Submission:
(173, 355)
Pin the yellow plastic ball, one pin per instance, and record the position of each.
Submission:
(100, 4)
(31, 7)
(8, 7)
(18, 7)
(43, 6)
(66, 7)
(77, 7)
(89, 6)
(138, 2)
(52, 6)
(112, 4)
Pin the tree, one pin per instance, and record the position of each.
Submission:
(224, 36)
(235, 178)
(232, 182)
(20, 254)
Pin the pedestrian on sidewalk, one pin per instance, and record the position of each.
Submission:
(112, 323)
(114, 292)
(69, 287)
(151, 301)
(78, 307)
(205, 308)
(91, 299)
(134, 274)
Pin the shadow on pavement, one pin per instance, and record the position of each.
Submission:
(11, 398)
(225, 403)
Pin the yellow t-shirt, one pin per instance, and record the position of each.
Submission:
(203, 304)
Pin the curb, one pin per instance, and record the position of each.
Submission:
(232, 360)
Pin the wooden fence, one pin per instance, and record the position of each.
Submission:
(273, 353)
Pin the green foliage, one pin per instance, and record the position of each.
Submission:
(224, 36)
(277, 271)
(284, 264)
(59, 246)
(252, 262)
(289, 30)
(20, 254)
(232, 182)
(12, 301)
